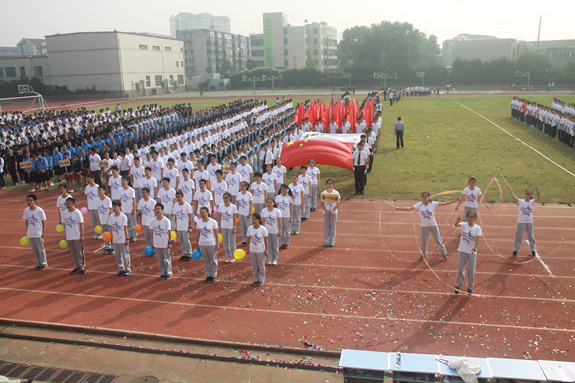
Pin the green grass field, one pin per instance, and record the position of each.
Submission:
(445, 144)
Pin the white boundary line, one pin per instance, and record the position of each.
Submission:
(543, 263)
(535, 150)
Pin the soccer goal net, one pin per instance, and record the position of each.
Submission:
(29, 101)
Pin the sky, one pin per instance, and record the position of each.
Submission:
(443, 18)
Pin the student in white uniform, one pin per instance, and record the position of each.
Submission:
(91, 192)
(233, 179)
(227, 215)
(172, 173)
(150, 183)
(115, 184)
(472, 195)
(313, 172)
(298, 192)
(184, 218)
(200, 174)
(187, 186)
(137, 173)
(208, 243)
(61, 201)
(161, 233)
(280, 171)
(426, 209)
(244, 205)
(118, 223)
(305, 180)
(157, 167)
(35, 227)
(245, 170)
(284, 201)
(330, 199)
(167, 197)
(211, 168)
(259, 191)
(203, 197)
(129, 206)
(258, 248)
(470, 235)
(73, 222)
(146, 207)
(525, 219)
(270, 179)
(104, 211)
(272, 221)
(219, 187)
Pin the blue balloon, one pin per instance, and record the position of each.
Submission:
(197, 254)
(149, 250)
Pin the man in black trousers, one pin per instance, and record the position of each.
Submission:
(359, 163)
(399, 128)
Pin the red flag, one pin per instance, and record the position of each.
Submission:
(326, 120)
(311, 113)
(338, 114)
(324, 152)
(300, 114)
(352, 117)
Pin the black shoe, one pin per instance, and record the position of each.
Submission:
(187, 259)
(421, 257)
(456, 290)
(469, 291)
(534, 253)
(212, 279)
(514, 253)
(244, 243)
(361, 193)
(208, 279)
(183, 258)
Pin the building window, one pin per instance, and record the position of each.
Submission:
(181, 79)
(38, 71)
(314, 41)
(315, 52)
(158, 80)
(285, 30)
(257, 43)
(177, 64)
(22, 71)
(285, 52)
(285, 41)
(11, 72)
(148, 81)
(286, 63)
(1, 72)
(156, 47)
(182, 64)
(171, 78)
(315, 31)
(168, 49)
(258, 53)
(142, 46)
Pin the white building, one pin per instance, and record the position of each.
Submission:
(189, 21)
(116, 61)
(32, 47)
(18, 67)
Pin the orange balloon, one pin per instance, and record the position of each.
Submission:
(238, 220)
(209, 186)
(138, 228)
(107, 236)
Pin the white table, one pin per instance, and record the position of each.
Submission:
(516, 369)
(364, 360)
(558, 371)
(448, 371)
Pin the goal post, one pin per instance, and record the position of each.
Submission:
(29, 100)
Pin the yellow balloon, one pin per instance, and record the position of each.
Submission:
(174, 235)
(63, 244)
(98, 229)
(220, 237)
(25, 241)
(239, 254)
(253, 209)
(60, 228)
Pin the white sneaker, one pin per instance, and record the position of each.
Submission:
(232, 260)
(270, 263)
(275, 262)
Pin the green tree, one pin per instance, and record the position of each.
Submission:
(309, 62)
(222, 85)
(226, 66)
(250, 65)
(539, 66)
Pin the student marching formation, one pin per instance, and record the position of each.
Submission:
(557, 121)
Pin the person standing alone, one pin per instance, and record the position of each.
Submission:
(398, 129)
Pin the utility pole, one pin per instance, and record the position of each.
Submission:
(538, 34)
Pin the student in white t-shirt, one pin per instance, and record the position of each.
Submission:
(259, 191)
(137, 173)
(258, 248)
(227, 215)
(150, 183)
(118, 223)
(470, 235)
(146, 207)
(35, 227)
(525, 219)
(161, 228)
(104, 210)
(313, 172)
(233, 180)
(426, 209)
(472, 195)
(298, 192)
(73, 222)
(208, 243)
(203, 197)
(187, 186)
(244, 202)
(305, 180)
(200, 174)
(91, 192)
(330, 199)
(218, 188)
(129, 207)
(157, 168)
(172, 173)
(184, 222)
(280, 171)
(272, 221)
(245, 170)
(115, 183)
(284, 201)
(270, 179)
(212, 167)
(167, 197)
(61, 201)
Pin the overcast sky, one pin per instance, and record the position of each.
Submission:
(443, 18)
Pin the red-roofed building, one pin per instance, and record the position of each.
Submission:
(34, 47)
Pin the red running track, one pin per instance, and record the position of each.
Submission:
(369, 292)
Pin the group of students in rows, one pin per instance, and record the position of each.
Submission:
(557, 121)
(268, 211)
(471, 232)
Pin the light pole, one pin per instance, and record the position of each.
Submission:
(526, 74)
(253, 79)
(384, 77)
(265, 78)
(422, 75)
(347, 75)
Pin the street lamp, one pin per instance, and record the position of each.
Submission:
(384, 77)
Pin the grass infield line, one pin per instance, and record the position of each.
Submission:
(530, 147)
